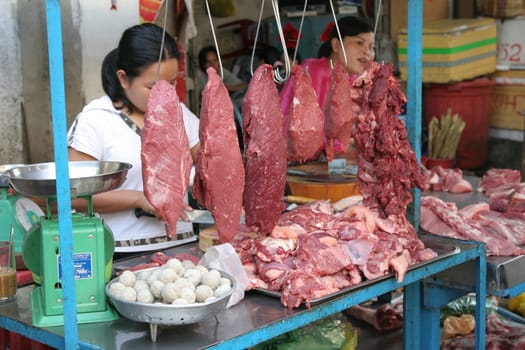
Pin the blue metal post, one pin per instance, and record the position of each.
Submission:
(414, 88)
(58, 113)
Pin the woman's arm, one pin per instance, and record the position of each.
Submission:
(110, 201)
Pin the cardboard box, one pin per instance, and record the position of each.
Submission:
(432, 10)
(508, 100)
(453, 49)
(511, 43)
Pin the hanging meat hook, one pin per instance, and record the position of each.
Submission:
(221, 72)
(338, 32)
(277, 75)
(164, 21)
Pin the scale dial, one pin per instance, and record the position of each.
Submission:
(27, 213)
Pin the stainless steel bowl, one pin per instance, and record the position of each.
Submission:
(167, 314)
(85, 178)
(4, 179)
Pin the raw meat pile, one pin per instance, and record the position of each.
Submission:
(339, 118)
(305, 126)
(500, 335)
(476, 223)
(314, 251)
(265, 152)
(505, 191)
(500, 223)
(446, 180)
(165, 154)
(219, 176)
(388, 168)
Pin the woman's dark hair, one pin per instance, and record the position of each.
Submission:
(348, 26)
(138, 48)
(203, 54)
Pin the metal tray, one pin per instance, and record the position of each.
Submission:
(442, 249)
(4, 179)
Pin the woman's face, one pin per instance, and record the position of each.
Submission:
(212, 61)
(359, 50)
(137, 89)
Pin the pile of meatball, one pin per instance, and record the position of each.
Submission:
(176, 283)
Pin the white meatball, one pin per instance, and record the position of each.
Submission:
(211, 278)
(203, 269)
(116, 288)
(153, 276)
(128, 278)
(222, 290)
(142, 274)
(225, 282)
(193, 275)
(156, 288)
(167, 275)
(145, 296)
(188, 264)
(176, 265)
(128, 294)
(180, 301)
(182, 282)
(202, 292)
(140, 284)
(188, 294)
(170, 292)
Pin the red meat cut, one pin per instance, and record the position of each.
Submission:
(265, 152)
(165, 154)
(219, 176)
(339, 116)
(305, 128)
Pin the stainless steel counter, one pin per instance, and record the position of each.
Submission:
(255, 319)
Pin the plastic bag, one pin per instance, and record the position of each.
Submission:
(222, 8)
(462, 325)
(326, 334)
(224, 258)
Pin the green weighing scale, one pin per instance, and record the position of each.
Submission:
(15, 210)
(93, 242)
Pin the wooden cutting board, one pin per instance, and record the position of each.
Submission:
(330, 190)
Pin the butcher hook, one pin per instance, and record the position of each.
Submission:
(165, 19)
(277, 76)
(338, 32)
(221, 72)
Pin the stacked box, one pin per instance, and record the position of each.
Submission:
(454, 49)
(508, 100)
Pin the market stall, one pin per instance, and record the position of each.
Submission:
(258, 317)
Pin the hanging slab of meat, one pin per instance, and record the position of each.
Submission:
(305, 128)
(388, 168)
(339, 117)
(165, 154)
(219, 176)
(265, 152)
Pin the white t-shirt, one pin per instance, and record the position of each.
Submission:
(100, 132)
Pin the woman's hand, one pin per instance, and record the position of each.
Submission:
(143, 203)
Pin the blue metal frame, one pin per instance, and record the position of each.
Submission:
(58, 113)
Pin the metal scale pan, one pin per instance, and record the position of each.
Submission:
(86, 178)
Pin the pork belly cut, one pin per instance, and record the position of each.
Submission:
(219, 170)
(495, 178)
(464, 228)
(165, 154)
(265, 152)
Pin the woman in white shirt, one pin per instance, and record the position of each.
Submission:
(108, 129)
